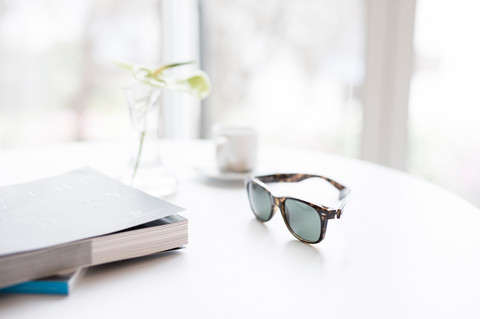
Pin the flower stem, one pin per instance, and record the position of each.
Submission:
(142, 137)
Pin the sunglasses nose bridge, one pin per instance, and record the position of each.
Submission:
(277, 201)
(277, 204)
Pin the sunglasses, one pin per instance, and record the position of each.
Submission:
(305, 220)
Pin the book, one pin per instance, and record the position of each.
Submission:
(60, 284)
(79, 219)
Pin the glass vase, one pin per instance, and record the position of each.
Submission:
(146, 170)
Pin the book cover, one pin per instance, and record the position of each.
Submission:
(61, 284)
(69, 207)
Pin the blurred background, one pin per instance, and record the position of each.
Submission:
(389, 81)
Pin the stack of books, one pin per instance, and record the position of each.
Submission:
(52, 230)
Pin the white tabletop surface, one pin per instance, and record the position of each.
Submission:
(404, 248)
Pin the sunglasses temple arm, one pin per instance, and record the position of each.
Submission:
(345, 195)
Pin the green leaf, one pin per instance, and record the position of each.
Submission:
(124, 65)
(200, 84)
(197, 84)
(167, 66)
(141, 72)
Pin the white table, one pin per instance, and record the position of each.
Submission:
(404, 248)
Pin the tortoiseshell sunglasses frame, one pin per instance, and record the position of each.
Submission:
(325, 213)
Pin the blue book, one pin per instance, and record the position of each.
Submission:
(61, 284)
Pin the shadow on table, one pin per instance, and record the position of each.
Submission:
(258, 229)
(259, 233)
(294, 250)
(304, 252)
(111, 270)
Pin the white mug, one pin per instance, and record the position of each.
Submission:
(236, 147)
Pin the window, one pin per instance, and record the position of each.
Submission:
(58, 82)
(294, 69)
(444, 135)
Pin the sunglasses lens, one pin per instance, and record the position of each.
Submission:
(303, 219)
(260, 201)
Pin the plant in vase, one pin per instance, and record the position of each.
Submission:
(144, 112)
